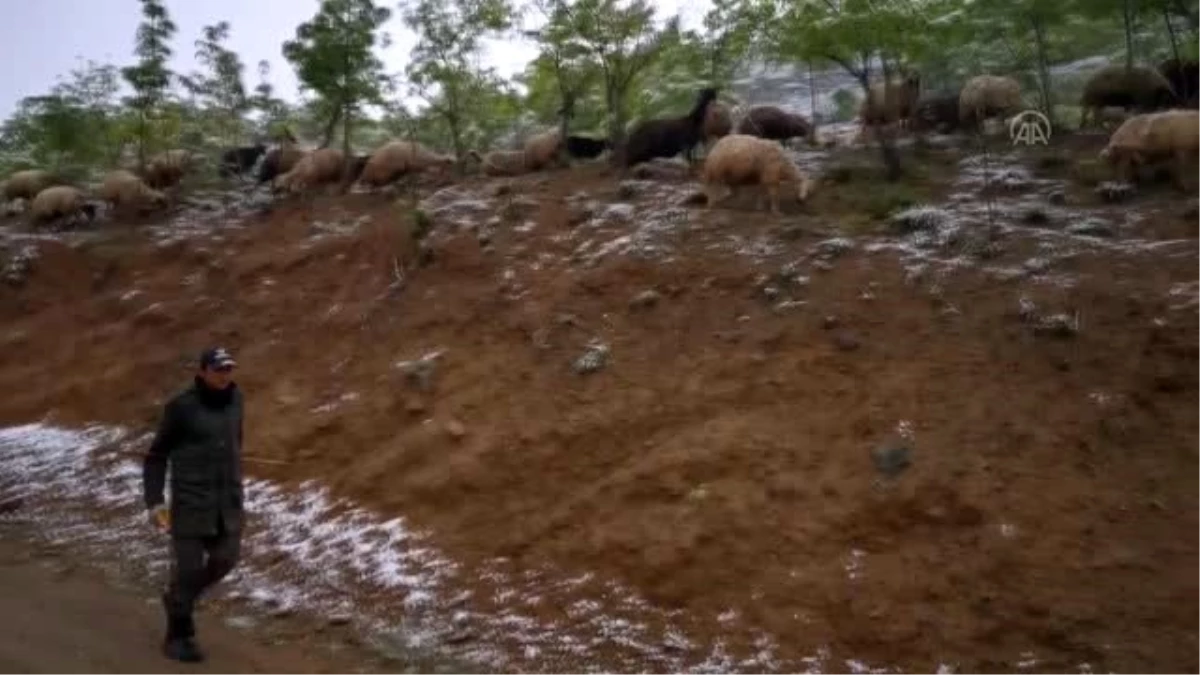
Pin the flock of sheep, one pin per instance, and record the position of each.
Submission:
(744, 146)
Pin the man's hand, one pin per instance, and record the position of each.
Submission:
(160, 518)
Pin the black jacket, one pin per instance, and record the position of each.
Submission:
(201, 436)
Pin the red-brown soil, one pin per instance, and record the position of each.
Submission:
(722, 458)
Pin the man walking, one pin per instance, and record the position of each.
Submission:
(200, 434)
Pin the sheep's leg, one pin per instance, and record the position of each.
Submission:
(1182, 161)
(773, 193)
(712, 194)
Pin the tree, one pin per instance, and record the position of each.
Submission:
(221, 88)
(274, 110)
(853, 34)
(334, 56)
(621, 39)
(564, 62)
(729, 27)
(150, 77)
(450, 34)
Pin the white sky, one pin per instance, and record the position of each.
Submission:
(42, 39)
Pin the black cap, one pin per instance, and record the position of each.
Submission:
(217, 358)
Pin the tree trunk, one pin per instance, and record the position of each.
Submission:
(1127, 16)
(331, 126)
(1186, 95)
(882, 133)
(564, 123)
(812, 107)
(347, 155)
(616, 120)
(142, 141)
(1043, 71)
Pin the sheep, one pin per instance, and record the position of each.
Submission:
(1152, 137)
(167, 168)
(1184, 77)
(279, 160)
(985, 96)
(1140, 88)
(542, 150)
(739, 159)
(397, 158)
(501, 162)
(60, 201)
(239, 160)
(773, 123)
(1124, 146)
(319, 167)
(27, 184)
(123, 189)
(937, 113)
(892, 101)
(668, 137)
(718, 122)
(585, 147)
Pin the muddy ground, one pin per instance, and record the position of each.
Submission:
(585, 424)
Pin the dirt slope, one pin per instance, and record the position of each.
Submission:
(63, 617)
(720, 462)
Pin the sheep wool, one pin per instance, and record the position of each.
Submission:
(739, 160)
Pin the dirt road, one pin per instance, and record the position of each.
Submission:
(61, 617)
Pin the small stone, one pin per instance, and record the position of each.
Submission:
(829, 321)
(1091, 227)
(10, 504)
(1057, 197)
(645, 299)
(414, 407)
(846, 342)
(282, 612)
(456, 429)
(459, 636)
(770, 292)
(502, 189)
(1114, 193)
(791, 232)
(1035, 216)
(240, 622)
(338, 619)
(594, 358)
(822, 266)
(892, 458)
(627, 189)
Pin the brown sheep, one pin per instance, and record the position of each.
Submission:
(319, 167)
(773, 123)
(501, 162)
(1140, 88)
(1171, 135)
(124, 190)
(166, 169)
(891, 102)
(1125, 145)
(60, 201)
(738, 160)
(27, 184)
(718, 122)
(542, 150)
(985, 96)
(279, 160)
(397, 158)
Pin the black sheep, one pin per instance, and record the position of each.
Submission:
(237, 161)
(772, 123)
(585, 147)
(937, 113)
(1184, 76)
(668, 137)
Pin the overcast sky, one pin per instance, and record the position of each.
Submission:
(43, 39)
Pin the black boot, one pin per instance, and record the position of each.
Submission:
(180, 644)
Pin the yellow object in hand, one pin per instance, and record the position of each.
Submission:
(161, 517)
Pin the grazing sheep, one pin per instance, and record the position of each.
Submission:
(239, 160)
(279, 160)
(738, 160)
(1153, 137)
(167, 168)
(985, 96)
(773, 123)
(668, 137)
(501, 162)
(937, 113)
(718, 122)
(542, 150)
(890, 102)
(60, 201)
(319, 167)
(124, 190)
(1140, 88)
(27, 184)
(585, 147)
(397, 158)
(1184, 77)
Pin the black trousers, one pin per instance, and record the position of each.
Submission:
(198, 563)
